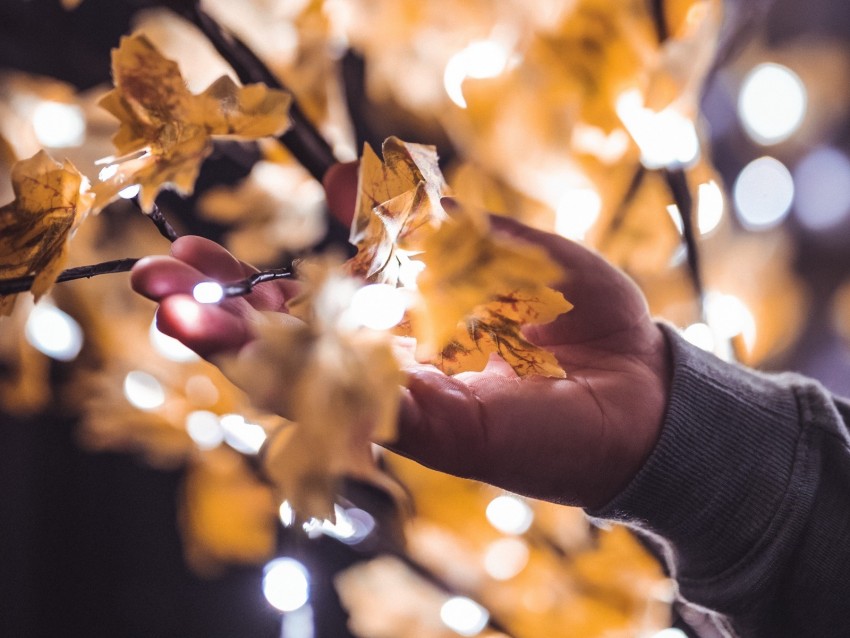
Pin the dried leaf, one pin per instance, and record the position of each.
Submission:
(337, 381)
(51, 199)
(166, 132)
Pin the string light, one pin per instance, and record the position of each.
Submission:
(143, 390)
(763, 193)
(351, 526)
(286, 584)
(701, 335)
(772, 103)
(479, 60)
(59, 125)
(464, 616)
(208, 292)
(510, 514)
(53, 332)
(130, 192)
(242, 436)
(205, 429)
(286, 514)
(729, 317)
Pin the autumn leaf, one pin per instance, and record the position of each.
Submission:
(398, 205)
(166, 131)
(491, 286)
(338, 381)
(51, 199)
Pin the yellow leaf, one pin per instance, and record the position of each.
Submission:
(51, 199)
(166, 132)
(467, 266)
(339, 383)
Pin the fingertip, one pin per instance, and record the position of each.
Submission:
(209, 257)
(158, 276)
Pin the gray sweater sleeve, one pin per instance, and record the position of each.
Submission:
(747, 493)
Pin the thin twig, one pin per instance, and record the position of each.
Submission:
(303, 140)
(162, 225)
(656, 8)
(677, 182)
(620, 215)
(22, 284)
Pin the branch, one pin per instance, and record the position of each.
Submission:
(303, 140)
(22, 284)
(622, 211)
(158, 218)
(656, 8)
(677, 182)
(244, 287)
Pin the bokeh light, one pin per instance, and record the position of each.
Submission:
(59, 125)
(763, 193)
(54, 332)
(822, 183)
(208, 292)
(510, 514)
(169, 347)
(577, 212)
(241, 435)
(286, 584)
(479, 60)
(378, 306)
(772, 103)
(505, 558)
(143, 391)
(464, 616)
(205, 429)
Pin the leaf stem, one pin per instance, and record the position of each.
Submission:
(303, 140)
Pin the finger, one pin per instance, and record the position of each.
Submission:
(205, 328)
(340, 184)
(158, 277)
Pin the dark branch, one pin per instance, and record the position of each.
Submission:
(302, 138)
(22, 284)
(158, 218)
(677, 182)
(656, 8)
(244, 287)
(620, 215)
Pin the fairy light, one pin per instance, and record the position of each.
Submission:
(107, 172)
(729, 317)
(204, 428)
(763, 193)
(481, 59)
(286, 514)
(286, 584)
(710, 206)
(351, 526)
(53, 332)
(822, 179)
(242, 436)
(378, 306)
(59, 125)
(577, 212)
(505, 558)
(510, 514)
(665, 138)
(772, 103)
(208, 292)
(143, 391)
(464, 616)
(701, 335)
(130, 192)
(169, 347)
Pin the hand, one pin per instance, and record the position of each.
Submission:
(578, 440)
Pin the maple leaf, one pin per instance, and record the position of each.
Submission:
(494, 285)
(398, 205)
(51, 199)
(338, 381)
(166, 131)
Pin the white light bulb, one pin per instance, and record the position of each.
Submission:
(130, 192)
(208, 292)
(242, 436)
(665, 138)
(286, 584)
(464, 616)
(822, 189)
(286, 514)
(59, 125)
(772, 103)
(510, 514)
(763, 193)
(701, 335)
(143, 390)
(710, 205)
(53, 332)
(205, 429)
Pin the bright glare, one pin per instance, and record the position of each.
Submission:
(464, 616)
(169, 347)
(242, 436)
(286, 514)
(53, 332)
(59, 125)
(505, 558)
(286, 584)
(208, 292)
(578, 209)
(205, 429)
(763, 193)
(665, 138)
(729, 317)
(378, 306)
(822, 179)
(107, 172)
(772, 103)
(701, 335)
(143, 391)
(510, 514)
(482, 59)
(130, 192)
(710, 205)
(351, 526)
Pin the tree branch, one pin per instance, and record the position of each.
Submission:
(656, 8)
(677, 182)
(22, 284)
(162, 225)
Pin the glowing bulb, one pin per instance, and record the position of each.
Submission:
(772, 103)
(510, 514)
(479, 60)
(665, 138)
(59, 125)
(710, 205)
(464, 616)
(107, 172)
(53, 332)
(822, 180)
(208, 292)
(701, 335)
(242, 436)
(130, 192)
(351, 525)
(286, 514)
(729, 317)
(378, 306)
(143, 391)
(763, 193)
(505, 558)
(169, 347)
(205, 429)
(578, 209)
(286, 584)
